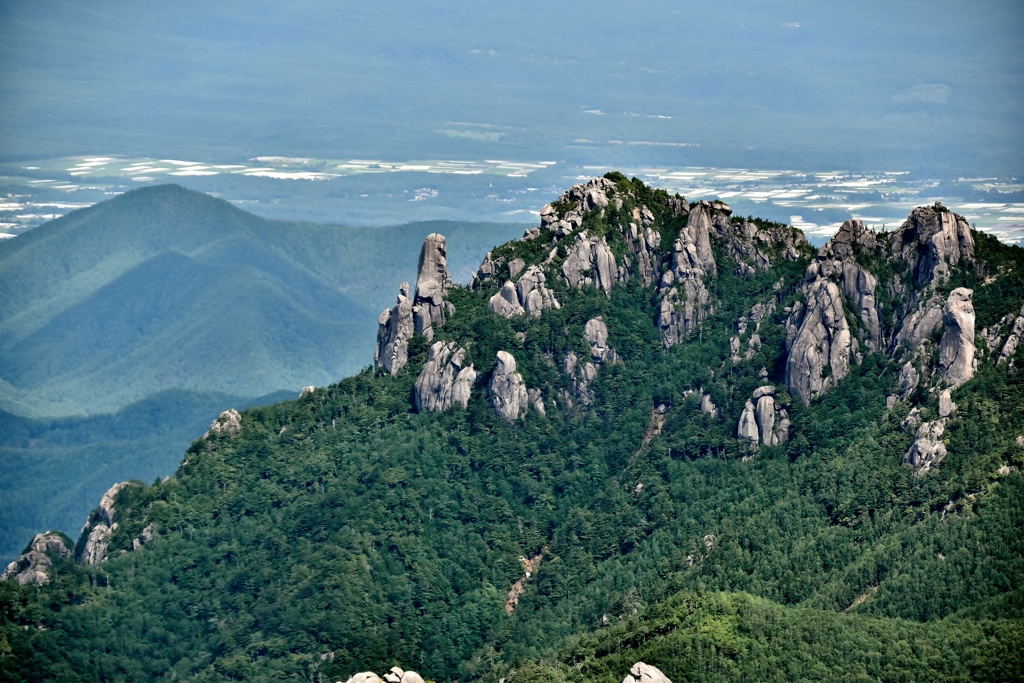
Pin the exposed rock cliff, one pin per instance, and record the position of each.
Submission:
(394, 329)
(445, 380)
(928, 448)
(33, 566)
(432, 283)
(819, 342)
(590, 262)
(763, 421)
(956, 350)
(530, 296)
(685, 297)
(395, 675)
(228, 423)
(508, 391)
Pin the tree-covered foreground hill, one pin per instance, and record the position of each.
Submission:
(649, 430)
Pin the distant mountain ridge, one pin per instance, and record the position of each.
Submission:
(164, 288)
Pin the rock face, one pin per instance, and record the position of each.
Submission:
(818, 337)
(685, 296)
(530, 296)
(306, 391)
(104, 523)
(645, 673)
(590, 262)
(395, 675)
(227, 423)
(445, 380)
(596, 334)
(394, 329)
(432, 283)
(932, 240)
(763, 421)
(1013, 339)
(928, 448)
(582, 371)
(956, 350)
(508, 391)
(32, 567)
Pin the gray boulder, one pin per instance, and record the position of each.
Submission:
(645, 673)
(507, 389)
(95, 550)
(533, 294)
(590, 262)
(32, 567)
(506, 302)
(1013, 339)
(596, 334)
(707, 405)
(932, 240)
(365, 677)
(445, 381)
(685, 297)
(956, 350)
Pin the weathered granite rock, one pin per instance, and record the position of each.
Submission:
(394, 329)
(927, 449)
(33, 566)
(307, 391)
(95, 550)
(365, 677)
(537, 400)
(590, 262)
(580, 375)
(106, 507)
(946, 405)
(432, 283)
(596, 334)
(747, 428)
(821, 340)
(1013, 339)
(515, 267)
(750, 245)
(445, 380)
(645, 673)
(707, 405)
(227, 423)
(487, 271)
(685, 296)
(506, 302)
(956, 351)
(533, 294)
(508, 391)
(145, 537)
(765, 416)
(932, 240)
(643, 243)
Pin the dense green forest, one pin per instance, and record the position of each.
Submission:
(344, 531)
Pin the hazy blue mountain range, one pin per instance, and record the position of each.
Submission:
(164, 288)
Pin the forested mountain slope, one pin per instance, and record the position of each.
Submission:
(648, 430)
(165, 288)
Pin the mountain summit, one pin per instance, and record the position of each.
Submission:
(650, 439)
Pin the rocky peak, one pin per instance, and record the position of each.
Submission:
(102, 523)
(33, 565)
(228, 423)
(394, 329)
(432, 284)
(932, 240)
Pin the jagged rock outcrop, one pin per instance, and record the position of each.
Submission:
(145, 537)
(487, 271)
(643, 242)
(33, 566)
(394, 329)
(106, 509)
(506, 302)
(747, 428)
(596, 334)
(946, 405)
(645, 673)
(763, 421)
(956, 350)
(227, 423)
(95, 550)
(102, 523)
(928, 448)
(932, 240)
(685, 296)
(445, 380)
(530, 296)
(433, 280)
(306, 391)
(707, 405)
(594, 194)
(819, 342)
(590, 262)
(507, 389)
(751, 245)
(582, 371)
(395, 675)
(1012, 339)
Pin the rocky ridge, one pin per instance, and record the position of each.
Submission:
(32, 568)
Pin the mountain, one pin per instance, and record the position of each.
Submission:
(164, 288)
(650, 439)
